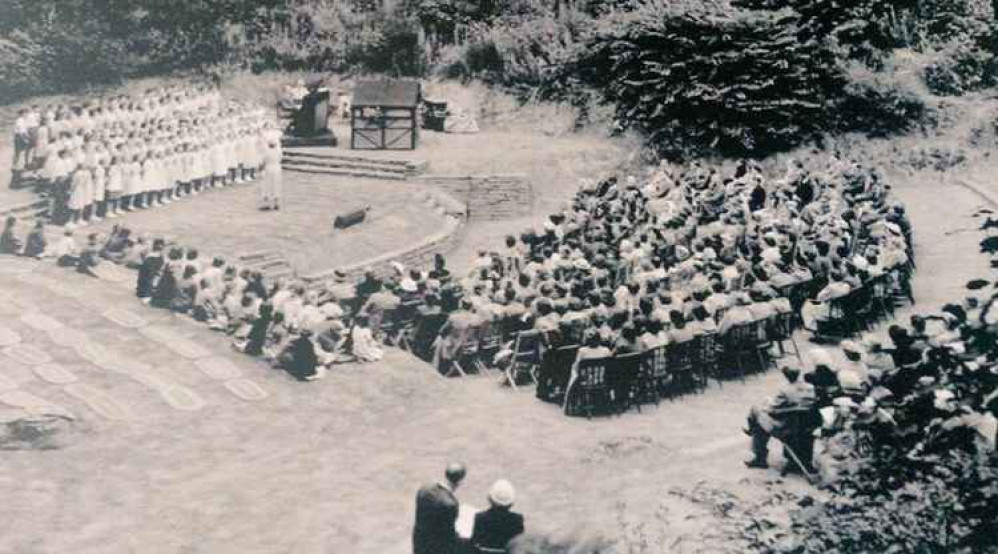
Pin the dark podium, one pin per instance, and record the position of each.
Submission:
(309, 126)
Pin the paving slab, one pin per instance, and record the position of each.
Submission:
(182, 398)
(97, 400)
(246, 389)
(125, 318)
(218, 368)
(55, 374)
(41, 321)
(33, 404)
(27, 354)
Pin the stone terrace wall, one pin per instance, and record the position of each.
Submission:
(488, 197)
(417, 256)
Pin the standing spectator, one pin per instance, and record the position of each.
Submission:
(436, 514)
(22, 143)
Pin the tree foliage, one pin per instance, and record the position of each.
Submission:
(737, 82)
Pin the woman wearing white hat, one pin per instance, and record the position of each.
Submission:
(497, 526)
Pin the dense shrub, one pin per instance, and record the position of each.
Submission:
(861, 27)
(528, 54)
(734, 82)
(55, 50)
(958, 66)
(877, 103)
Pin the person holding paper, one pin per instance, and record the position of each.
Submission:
(436, 514)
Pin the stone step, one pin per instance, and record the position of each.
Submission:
(24, 210)
(315, 163)
(353, 159)
(302, 142)
(279, 273)
(262, 266)
(345, 173)
(258, 255)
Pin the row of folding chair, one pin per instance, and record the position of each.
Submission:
(615, 384)
(866, 306)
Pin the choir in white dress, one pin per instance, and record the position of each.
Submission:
(132, 152)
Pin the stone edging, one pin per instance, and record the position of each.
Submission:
(417, 255)
(988, 196)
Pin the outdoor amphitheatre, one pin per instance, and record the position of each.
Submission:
(353, 276)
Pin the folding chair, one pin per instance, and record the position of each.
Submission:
(526, 357)
(654, 378)
(781, 329)
(404, 325)
(622, 378)
(490, 343)
(837, 326)
(741, 341)
(681, 366)
(555, 372)
(590, 391)
(705, 358)
(381, 323)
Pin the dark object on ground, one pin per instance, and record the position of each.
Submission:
(350, 219)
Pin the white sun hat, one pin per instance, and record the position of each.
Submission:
(502, 493)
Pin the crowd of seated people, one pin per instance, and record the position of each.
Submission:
(121, 153)
(637, 266)
(667, 264)
(928, 386)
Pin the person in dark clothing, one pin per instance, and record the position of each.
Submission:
(36, 243)
(257, 287)
(804, 191)
(299, 358)
(9, 243)
(436, 513)
(757, 198)
(497, 526)
(825, 383)
(116, 245)
(257, 337)
(149, 270)
(89, 257)
(166, 289)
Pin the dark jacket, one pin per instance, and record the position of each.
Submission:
(300, 359)
(148, 271)
(258, 335)
(9, 243)
(166, 289)
(36, 243)
(495, 527)
(436, 513)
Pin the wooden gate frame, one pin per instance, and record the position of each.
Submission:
(382, 124)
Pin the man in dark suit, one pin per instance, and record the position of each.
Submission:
(497, 526)
(436, 514)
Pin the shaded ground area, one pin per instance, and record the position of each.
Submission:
(332, 466)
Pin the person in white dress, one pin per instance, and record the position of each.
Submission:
(365, 348)
(271, 184)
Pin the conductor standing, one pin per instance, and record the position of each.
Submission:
(436, 514)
